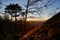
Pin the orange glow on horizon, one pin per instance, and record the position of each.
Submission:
(31, 19)
(35, 19)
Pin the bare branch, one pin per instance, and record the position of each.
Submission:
(49, 3)
(34, 2)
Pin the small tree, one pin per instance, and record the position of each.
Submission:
(13, 9)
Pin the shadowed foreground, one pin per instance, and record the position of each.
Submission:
(50, 30)
(11, 30)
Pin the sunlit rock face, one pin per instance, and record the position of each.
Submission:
(49, 31)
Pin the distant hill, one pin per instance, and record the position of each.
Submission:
(50, 30)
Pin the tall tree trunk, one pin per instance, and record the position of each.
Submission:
(27, 10)
(25, 17)
(11, 17)
(15, 21)
(14, 35)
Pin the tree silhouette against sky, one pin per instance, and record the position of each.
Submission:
(13, 10)
(33, 6)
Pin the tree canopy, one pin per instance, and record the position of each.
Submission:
(12, 9)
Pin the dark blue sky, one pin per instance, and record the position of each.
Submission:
(50, 9)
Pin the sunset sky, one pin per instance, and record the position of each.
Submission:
(50, 9)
